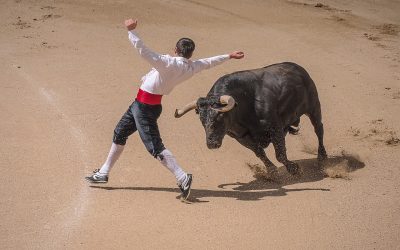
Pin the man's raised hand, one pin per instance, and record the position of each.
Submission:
(236, 55)
(130, 24)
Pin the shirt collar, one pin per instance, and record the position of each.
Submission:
(180, 58)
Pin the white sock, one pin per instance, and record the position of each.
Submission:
(168, 160)
(113, 156)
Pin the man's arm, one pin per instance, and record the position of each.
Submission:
(156, 60)
(210, 62)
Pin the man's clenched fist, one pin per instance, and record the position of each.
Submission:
(130, 24)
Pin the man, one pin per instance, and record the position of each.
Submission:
(142, 114)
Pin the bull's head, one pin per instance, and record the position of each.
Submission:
(212, 115)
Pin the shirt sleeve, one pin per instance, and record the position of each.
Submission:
(158, 61)
(207, 63)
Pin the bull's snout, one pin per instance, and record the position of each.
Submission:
(213, 144)
(214, 136)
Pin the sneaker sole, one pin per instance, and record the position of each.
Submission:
(91, 181)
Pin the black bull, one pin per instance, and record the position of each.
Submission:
(260, 106)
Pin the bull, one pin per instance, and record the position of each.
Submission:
(258, 107)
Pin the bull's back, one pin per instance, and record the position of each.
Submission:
(287, 77)
(291, 89)
(274, 78)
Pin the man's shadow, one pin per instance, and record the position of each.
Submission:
(261, 186)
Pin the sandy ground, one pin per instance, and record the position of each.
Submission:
(68, 72)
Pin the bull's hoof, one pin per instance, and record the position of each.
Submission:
(273, 174)
(293, 168)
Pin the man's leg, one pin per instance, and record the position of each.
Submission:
(183, 179)
(168, 160)
(115, 151)
(125, 127)
(146, 122)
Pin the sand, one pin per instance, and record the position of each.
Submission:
(68, 72)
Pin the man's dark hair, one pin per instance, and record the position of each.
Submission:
(185, 47)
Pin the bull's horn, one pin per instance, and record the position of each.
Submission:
(185, 109)
(229, 101)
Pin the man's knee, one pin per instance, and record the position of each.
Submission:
(119, 139)
(165, 153)
(155, 151)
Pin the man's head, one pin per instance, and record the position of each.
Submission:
(185, 47)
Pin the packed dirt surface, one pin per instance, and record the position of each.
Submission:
(68, 73)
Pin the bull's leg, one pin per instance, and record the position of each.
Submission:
(278, 140)
(260, 153)
(315, 118)
(250, 143)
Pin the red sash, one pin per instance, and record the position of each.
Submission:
(148, 98)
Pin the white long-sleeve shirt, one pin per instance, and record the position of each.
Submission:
(168, 71)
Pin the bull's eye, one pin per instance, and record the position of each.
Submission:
(197, 111)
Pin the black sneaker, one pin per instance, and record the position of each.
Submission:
(96, 177)
(185, 187)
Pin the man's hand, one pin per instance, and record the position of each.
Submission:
(236, 55)
(130, 24)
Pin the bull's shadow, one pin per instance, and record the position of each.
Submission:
(261, 187)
